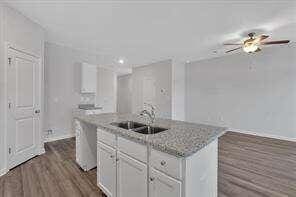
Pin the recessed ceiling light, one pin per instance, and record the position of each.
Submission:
(121, 61)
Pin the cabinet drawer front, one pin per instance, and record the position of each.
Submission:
(167, 163)
(106, 137)
(133, 149)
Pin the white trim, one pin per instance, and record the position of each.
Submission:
(263, 135)
(41, 151)
(22, 50)
(6, 47)
(3, 171)
(61, 137)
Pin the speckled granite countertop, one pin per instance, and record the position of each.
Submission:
(182, 139)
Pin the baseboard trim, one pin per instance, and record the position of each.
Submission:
(42, 151)
(61, 137)
(263, 135)
(3, 172)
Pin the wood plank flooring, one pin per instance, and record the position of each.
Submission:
(256, 167)
(54, 173)
(249, 166)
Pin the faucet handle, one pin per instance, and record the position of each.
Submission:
(150, 105)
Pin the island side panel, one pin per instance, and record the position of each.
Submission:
(86, 145)
(201, 176)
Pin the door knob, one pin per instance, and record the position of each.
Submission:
(37, 111)
(163, 163)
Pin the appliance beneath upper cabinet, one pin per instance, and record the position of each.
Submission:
(88, 78)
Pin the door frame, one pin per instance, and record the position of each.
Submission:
(41, 98)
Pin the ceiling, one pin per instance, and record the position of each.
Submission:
(142, 32)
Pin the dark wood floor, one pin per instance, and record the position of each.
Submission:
(249, 166)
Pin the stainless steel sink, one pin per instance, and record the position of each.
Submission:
(150, 130)
(138, 127)
(129, 125)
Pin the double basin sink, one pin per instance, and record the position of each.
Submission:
(138, 127)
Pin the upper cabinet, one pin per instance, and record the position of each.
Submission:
(88, 78)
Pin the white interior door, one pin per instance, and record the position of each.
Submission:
(23, 88)
(149, 91)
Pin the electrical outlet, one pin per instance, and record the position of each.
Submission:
(49, 132)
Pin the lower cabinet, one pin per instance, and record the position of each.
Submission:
(161, 185)
(106, 169)
(123, 169)
(122, 173)
(131, 177)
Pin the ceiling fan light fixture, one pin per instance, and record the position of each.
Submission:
(250, 48)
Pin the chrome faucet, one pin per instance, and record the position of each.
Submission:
(150, 114)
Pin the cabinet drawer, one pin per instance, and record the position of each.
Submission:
(133, 149)
(167, 163)
(106, 137)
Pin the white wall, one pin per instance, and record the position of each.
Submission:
(2, 94)
(161, 73)
(107, 90)
(178, 90)
(26, 35)
(254, 93)
(62, 86)
(124, 94)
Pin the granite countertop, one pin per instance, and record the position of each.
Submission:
(182, 139)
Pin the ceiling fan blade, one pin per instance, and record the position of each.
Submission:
(276, 42)
(231, 44)
(258, 39)
(233, 49)
(258, 50)
(262, 37)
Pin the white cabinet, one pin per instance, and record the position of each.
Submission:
(161, 185)
(131, 177)
(123, 170)
(106, 169)
(88, 78)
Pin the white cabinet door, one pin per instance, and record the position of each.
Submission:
(107, 169)
(162, 185)
(131, 177)
(88, 78)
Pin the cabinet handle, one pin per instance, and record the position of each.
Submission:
(112, 156)
(163, 163)
(117, 159)
(152, 179)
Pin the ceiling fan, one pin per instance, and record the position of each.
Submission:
(253, 43)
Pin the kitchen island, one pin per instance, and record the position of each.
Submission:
(181, 161)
